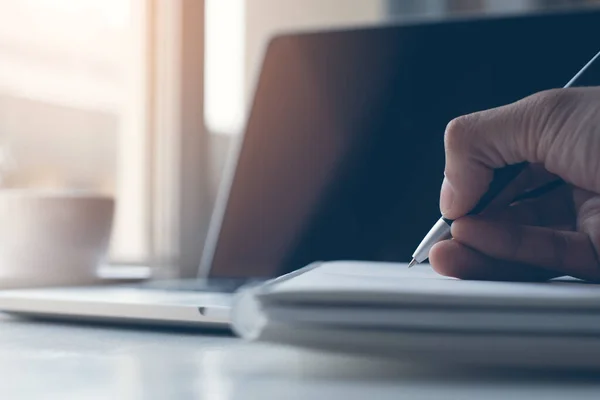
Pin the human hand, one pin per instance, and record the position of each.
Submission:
(558, 132)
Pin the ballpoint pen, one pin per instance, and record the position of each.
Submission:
(502, 177)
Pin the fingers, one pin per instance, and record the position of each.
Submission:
(478, 143)
(451, 258)
(534, 176)
(569, 253)
(553, 209)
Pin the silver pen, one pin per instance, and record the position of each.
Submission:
(441, 230)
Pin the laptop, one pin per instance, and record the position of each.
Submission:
(342, 155)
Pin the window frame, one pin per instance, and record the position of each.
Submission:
(180, 164)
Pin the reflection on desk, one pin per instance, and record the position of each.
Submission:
(55, 360)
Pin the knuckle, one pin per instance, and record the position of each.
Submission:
(546, 97)
(552, 105)
(553, 97)
(458, 132)
(548, 112)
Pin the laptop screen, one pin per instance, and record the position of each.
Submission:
(343, 155)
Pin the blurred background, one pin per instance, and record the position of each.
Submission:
(142, 99)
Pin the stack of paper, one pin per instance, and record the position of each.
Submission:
(385, 309)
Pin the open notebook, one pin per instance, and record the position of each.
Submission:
(386, 309)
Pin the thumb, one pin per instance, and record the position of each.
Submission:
(478, 143)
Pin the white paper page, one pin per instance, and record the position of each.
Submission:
(350, 282)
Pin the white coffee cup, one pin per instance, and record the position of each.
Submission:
(53, 238)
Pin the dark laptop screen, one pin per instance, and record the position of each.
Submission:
(343, 152)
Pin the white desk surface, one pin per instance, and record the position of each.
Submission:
(57, 360)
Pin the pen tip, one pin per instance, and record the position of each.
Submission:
(412, 263)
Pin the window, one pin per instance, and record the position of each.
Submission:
(73, 106)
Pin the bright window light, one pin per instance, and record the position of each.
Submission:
(224, 68)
